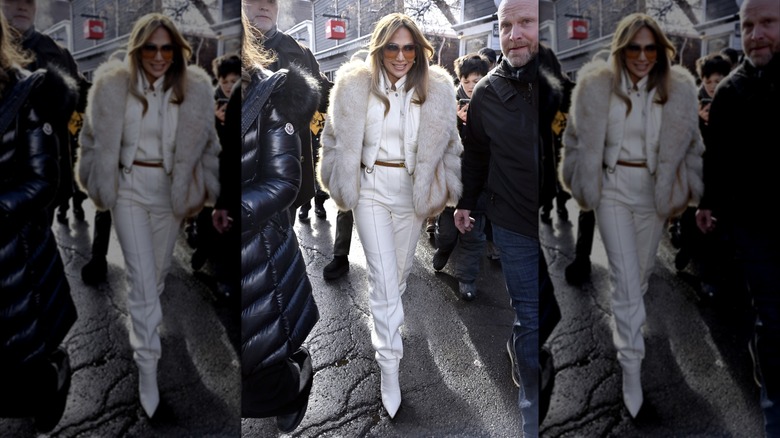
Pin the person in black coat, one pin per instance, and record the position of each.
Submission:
(288, 51)
(277, 307)
(47, 54)
(36, 308)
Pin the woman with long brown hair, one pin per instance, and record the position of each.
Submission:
(635, 158)
(149, 154)
(391, 154)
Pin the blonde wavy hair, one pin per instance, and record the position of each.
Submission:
(10, 54)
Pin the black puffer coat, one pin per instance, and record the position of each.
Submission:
(36, 309)
(277, 310)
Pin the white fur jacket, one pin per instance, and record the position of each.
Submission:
(674, 152)
(191, 158)
(350, 136)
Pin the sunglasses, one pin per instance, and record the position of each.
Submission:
(633, 51)
(391, 50)
(149, 51)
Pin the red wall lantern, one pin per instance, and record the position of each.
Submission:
(578, 29)
(94, 29)
(335, 30)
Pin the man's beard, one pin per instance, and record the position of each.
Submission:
(523, 58)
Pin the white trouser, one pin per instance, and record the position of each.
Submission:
(147, 231)
(631, 229)
(388, 229)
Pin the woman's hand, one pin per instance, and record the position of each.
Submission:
(704, 113)
(462, 111)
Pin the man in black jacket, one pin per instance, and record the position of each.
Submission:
(739, 166)
(504, 147)
(263, 15)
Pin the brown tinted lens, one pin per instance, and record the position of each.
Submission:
(149, 51)
(634, 50)
(391, 50)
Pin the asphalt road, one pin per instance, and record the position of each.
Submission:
(198, 374)
(455, 376)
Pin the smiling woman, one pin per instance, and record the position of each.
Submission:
(391, 153)
(634, 158)
(149, 154)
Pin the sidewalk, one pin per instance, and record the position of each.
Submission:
(198, 373)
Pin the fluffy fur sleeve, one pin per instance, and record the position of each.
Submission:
(585, 135)
(679, 175)
(342, 138)
(437, 178)
(100, 138)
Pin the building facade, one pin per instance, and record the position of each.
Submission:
(212, 30)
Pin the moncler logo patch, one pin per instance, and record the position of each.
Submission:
(47, 129)
(288, 128)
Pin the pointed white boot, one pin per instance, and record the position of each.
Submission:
(147, 388)
(632, 386)
(391, 388)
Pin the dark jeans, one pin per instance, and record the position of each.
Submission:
(344, 222)
(471, 245)
(522, 282)
(586, 225)
(102, 233)
(759, 251)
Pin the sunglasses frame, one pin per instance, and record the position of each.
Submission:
(634, 51)
(149, 51)
(390, 51)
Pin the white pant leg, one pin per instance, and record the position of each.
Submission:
(631, 229)
(388, 230)
(146, 229)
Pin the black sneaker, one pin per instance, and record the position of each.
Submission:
(53, 407)
(682, 258)
(513, 362)
(62, 216)
(319, 210)
(303, 212)
(440, 259)
(94, 272)
(78, 212)
(578, 271)
(199, 258)
(336, 268)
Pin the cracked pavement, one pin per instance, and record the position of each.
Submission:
(455, 375)
(198, 374)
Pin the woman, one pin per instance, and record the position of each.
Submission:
(635, 158)
(391, 153)
(36, 309)
(278, 310)
(149, 154)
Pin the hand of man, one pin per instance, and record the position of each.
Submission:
(221, 221)
(463, 222)
(705, 221)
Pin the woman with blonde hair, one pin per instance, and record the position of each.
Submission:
(634, 158)
(149, 154)
(391, 154)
